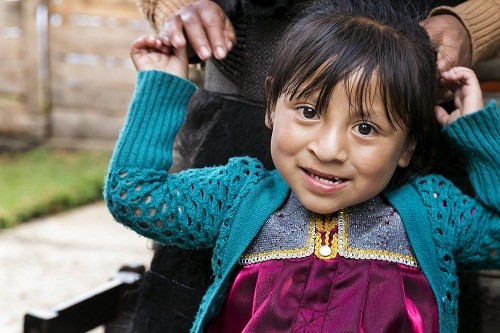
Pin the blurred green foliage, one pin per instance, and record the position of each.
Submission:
(44, 181)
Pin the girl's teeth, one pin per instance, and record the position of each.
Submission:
(326, 181)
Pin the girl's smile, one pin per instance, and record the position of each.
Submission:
(336, 159)
(321, 182)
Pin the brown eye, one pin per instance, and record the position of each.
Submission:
(308, 112)
(365, 129)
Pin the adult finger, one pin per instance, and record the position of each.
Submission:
(229, 33)
(219, 30)
(172, 32)
(199, 21)
(445, 60)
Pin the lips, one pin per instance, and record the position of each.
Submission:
(321, 182)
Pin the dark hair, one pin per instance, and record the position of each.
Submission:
(335, 40)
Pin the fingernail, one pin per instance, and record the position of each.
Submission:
(177, 40)
(229, 45)
(204, 52)
(220, 52)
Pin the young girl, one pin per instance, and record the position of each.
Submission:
(347, 234)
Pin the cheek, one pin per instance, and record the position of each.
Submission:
(376, 162)
(282, 141)
(371, 164)
(281, 146)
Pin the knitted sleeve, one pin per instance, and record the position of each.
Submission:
(478, 136)
(481, 18)
(468, 229)
(188, 208)
(157, 11)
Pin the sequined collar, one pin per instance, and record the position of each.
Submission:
(369, 230)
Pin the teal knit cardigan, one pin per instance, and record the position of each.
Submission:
(224, 207)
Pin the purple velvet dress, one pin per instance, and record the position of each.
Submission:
(351, 272)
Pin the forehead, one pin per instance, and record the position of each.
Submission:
(360, 89)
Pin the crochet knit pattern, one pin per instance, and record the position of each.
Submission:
(224, 207)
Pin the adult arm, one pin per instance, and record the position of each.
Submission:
(481, 21)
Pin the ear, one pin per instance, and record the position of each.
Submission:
(269, 119)
(406, 155)
(269, 113)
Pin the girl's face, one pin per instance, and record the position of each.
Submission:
(335, 160)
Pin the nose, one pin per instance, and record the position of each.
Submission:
(329, 144)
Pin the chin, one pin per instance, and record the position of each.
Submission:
(324, 211)
(321, 209)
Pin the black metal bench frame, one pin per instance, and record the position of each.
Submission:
(106, 305)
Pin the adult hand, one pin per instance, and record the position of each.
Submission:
(453, 45)
(150, 53)
(467, 94)
(205, 26)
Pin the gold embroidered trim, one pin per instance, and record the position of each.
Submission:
(301, 252)
(325, 224)
(339, 244)
(348, 252)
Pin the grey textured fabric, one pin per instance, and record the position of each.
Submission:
(241, 75)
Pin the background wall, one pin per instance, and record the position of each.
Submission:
(65, 74)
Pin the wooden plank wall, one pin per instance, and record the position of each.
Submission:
(72, 77)
(91, 75)
(22, 113)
